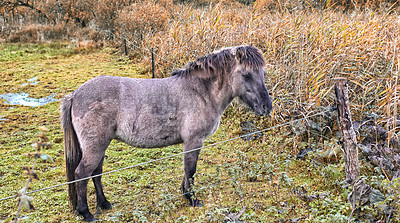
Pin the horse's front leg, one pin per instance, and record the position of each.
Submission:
(190, 163)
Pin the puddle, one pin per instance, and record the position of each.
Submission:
(2, 119)
(31, 81)
(25, 100)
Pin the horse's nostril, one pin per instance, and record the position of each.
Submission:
(267, 108)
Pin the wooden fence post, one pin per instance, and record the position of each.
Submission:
(125, 47)
(347, 130)
(152, 63)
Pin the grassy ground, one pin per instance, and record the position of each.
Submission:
(267, 179)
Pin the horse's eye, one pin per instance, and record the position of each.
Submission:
(247, 77)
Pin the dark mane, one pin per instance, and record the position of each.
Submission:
(222, 61)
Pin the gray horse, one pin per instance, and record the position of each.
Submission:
(184, 108)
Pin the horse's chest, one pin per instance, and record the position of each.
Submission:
(214, 128)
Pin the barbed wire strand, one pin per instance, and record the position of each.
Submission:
(194, 190)
(283, 99)
(277, 98)
(167, 157)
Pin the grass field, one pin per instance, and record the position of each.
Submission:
(304, 52)
(266, 171)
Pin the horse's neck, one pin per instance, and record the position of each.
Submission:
(224, 97)
(221, 97)
(217, 97)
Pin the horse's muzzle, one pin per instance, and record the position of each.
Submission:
(263, 109)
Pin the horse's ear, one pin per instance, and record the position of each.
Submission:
(240, 55)
(195, 66)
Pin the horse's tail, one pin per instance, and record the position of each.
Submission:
(73, 153)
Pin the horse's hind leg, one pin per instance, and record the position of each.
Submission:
(101, 199)
(91, 159)
(95, 125)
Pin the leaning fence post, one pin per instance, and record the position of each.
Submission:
(347, 130)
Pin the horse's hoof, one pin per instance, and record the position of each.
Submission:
(85, 213)
(105, 205)
(89, 218)
(195, 203)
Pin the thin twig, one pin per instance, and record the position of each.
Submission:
(26, 188)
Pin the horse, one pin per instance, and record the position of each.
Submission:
(185, 107)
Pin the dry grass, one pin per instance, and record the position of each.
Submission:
(131, 23)
(304, 51)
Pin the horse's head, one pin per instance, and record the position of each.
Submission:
(248, 80)
(240, 68)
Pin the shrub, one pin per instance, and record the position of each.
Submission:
(39, 33)
(29, 34)
(140, 18)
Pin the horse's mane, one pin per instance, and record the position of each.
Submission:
(222, 61)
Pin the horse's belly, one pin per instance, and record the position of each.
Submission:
(151, 141)
(150, 135)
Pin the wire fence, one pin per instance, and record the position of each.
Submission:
(226, 180)
(134, 46)
(168, 157)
